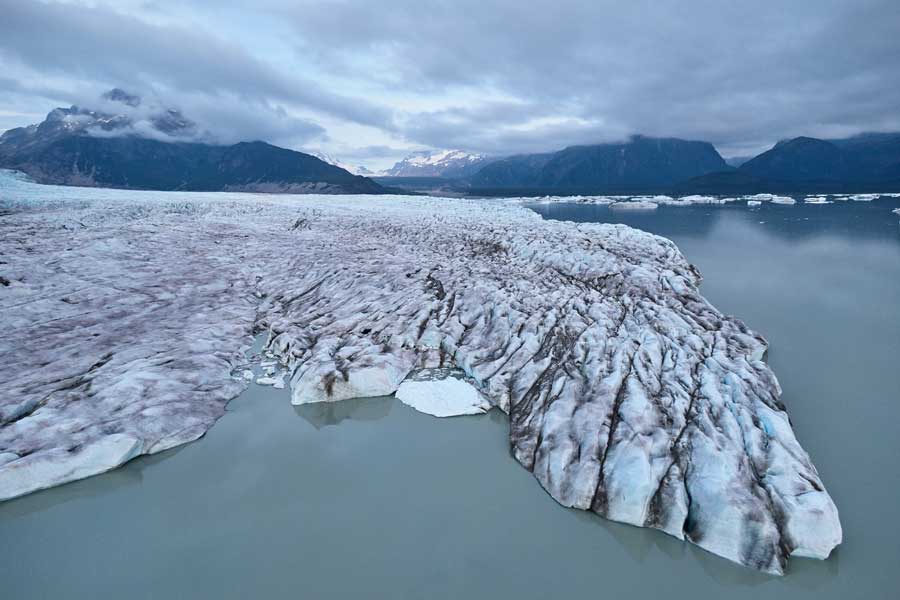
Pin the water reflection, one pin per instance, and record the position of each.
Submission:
(323, 414)
(130, 475)
(856, 220)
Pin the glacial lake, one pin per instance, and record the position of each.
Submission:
(370, 499)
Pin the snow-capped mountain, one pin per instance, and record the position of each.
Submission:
(439, 163)
(356, 170)
(118, 114)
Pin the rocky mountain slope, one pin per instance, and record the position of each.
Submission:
(85, 147)
(868, 162)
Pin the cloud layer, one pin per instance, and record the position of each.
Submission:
(365, 79)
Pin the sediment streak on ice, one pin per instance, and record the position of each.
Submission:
(126, 319)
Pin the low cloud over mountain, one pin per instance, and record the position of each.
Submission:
(487, 78)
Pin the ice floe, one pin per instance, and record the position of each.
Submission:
(635, 205)
(645, 202)
(127, 317)
(276, 382)
(441, 395)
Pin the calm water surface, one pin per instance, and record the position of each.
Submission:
(369, 499)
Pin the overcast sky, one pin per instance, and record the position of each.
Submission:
(368, 81)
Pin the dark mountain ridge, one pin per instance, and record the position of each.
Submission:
(76, 146)
(128, 143)
(639, 163)
(866, 162)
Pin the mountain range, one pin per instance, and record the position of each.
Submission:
(128, 143)
(450, 164)
(127, 146)
(664, 165)
(866, 162)
(639, 162)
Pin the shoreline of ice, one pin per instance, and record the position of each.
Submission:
(128, 317)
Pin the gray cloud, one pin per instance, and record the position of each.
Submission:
(737, 73)
(492, 76)
(102, 47)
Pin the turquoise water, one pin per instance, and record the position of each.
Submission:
(369, 499)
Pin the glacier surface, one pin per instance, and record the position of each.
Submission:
(128, 315)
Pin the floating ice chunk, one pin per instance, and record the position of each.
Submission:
(770, 198)
(816, 200)
(39, 471)
(701, 200)
(276, 382)
(896, 211)
(638, 205)
(247, 374)
(446, 397)
(754, 202)
(864, 197)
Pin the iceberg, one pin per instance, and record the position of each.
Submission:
(128, 315)
(769, 198)
(634, 205)
(437, 392)
(688, 200)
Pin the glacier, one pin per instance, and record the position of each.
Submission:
(128, 317)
